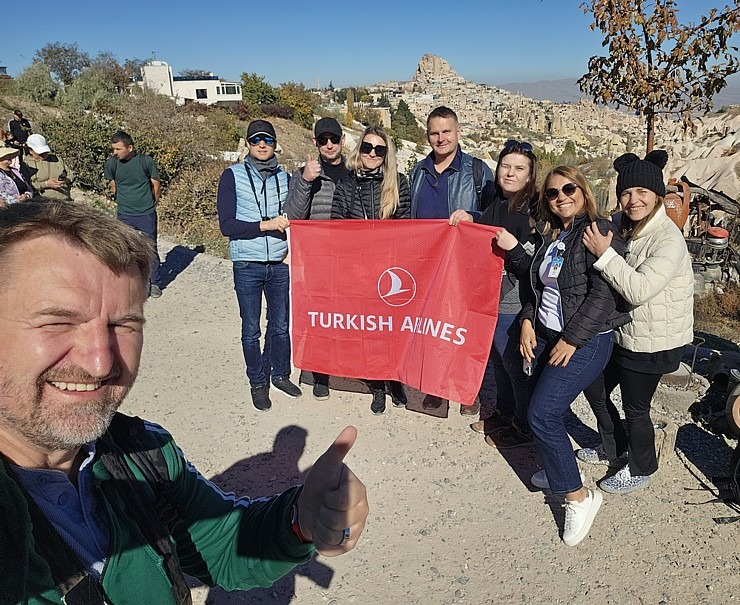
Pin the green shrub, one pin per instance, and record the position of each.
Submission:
(187, 209)
(35, 83)
(83, 141)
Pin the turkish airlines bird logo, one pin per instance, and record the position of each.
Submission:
(396, 287)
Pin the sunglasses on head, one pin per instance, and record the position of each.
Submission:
(380, 150)
(521, 145)
(323, 139)
(255, 140)
(568, 189)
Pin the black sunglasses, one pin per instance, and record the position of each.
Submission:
(521, 145)
(568, 189)
(323, 139)
(380, 150)
(255, 140)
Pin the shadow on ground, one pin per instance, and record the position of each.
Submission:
(178, 259)
(263, 475)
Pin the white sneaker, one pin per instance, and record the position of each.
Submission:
(539, 479)
(579, 516)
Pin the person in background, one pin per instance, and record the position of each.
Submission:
(657, 280)
(14, 185)
(99, 507)
(251, 207)
(443, 182)
(50, 176)
(514, 193)
(19, 129)
(311, 193)
(134, 182)
(566, 332)
(374, 189)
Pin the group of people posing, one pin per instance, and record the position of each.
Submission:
(587, 303)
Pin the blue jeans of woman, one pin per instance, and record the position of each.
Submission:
(554, 390)
(251, 281)
(501, 383)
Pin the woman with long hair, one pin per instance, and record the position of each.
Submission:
(514, 192)
(374, 189)
(566, 332)
(657, 280)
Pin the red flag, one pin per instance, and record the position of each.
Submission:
(408, 300)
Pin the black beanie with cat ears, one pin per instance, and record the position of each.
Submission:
(647, 173)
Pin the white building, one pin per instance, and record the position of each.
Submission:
(209, 90)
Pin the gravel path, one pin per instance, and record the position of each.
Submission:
(452, 520)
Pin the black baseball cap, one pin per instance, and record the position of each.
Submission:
(329, 125)
(260, 127)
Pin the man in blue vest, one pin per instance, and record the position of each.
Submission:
(251, 199)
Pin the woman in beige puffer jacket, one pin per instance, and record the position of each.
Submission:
(655, 277)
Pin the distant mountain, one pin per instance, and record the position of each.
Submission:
(567, 91)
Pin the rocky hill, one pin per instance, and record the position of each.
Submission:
(490, 115)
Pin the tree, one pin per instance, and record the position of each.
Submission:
(65, 61)
(656, 66)
(300, 100)
(92, 89)
(35, 83)
(109, 69)
(404, 124)
(349, 117)
(256, 91)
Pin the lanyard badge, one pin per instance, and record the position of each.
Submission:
(557, 262)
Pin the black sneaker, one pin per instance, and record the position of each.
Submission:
(261, 398)
(287, 387)
(320, 391)
(398, 395)
(377, 407)
(432, 402)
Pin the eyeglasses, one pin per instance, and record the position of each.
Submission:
(521, 145)
(380, 150)
(568, 189)
(255, 140)
(323, 139)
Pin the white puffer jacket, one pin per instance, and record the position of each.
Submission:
(656, 278)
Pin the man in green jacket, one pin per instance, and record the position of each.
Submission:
(100, 505)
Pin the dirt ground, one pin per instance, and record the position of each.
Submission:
(452, 520)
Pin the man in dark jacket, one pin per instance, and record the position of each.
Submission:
(19, 129)
(310, 195)
(83, 519)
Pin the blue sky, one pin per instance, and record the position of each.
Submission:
(348, 43)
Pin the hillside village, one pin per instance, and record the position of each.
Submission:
(489, 116)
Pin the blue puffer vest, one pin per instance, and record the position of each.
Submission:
(256, 199)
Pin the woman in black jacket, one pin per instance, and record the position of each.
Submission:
(566, 332)
(374, 189)
(508, 206)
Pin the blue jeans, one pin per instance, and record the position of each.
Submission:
(501, 384)
(147, 224)
(521, 385)
(251, 280)
(555, 388)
